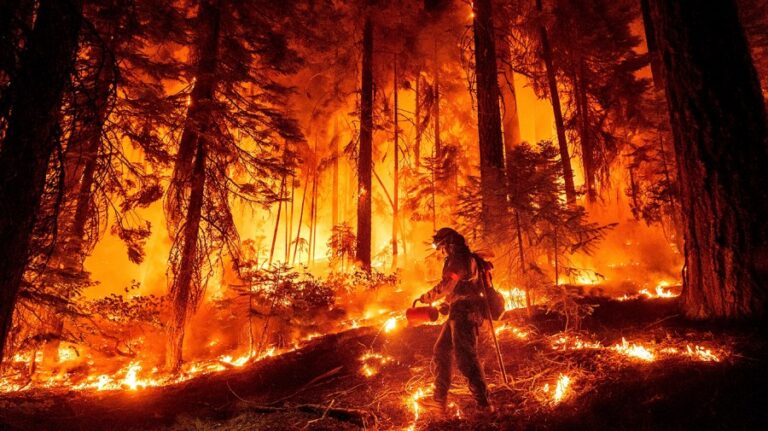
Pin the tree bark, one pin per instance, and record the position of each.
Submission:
(718, 121)
(365, 162)
(396, 185)
(436, 101)
(335, 180)
(582, 113)
(182, 290)
(417, 115)
(30, 140)
(189, 172)
(14, 16)
(554, 95)
(510, 120)
(488, 119)
(653, 49)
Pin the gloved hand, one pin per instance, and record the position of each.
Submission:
(444, 308)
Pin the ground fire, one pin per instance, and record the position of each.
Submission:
(383, 214)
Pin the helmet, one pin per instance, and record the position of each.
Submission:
(446, 236)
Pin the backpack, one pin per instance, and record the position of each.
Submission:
(495, 301)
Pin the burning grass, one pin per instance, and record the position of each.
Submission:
(384, 374)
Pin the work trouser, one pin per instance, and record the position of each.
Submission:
(459, 337)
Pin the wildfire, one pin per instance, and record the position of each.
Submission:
(390, 324)
(560, 391)
(372, 362)
(513, 298)
(413, 402)
(702, 354)
(661, 291)
(634, 351)
(507, 328)
(567, 342)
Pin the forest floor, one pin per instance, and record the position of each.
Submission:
(634, 365)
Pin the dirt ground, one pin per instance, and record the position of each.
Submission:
(324, 386)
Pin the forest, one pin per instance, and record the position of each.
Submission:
(310, 214)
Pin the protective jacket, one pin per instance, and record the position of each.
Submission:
(460, 279)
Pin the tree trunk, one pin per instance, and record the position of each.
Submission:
(510, 119)
(396, 176)
(582, 113)
(554, 95)
(488, 120)
(365, 162)
(312, 217)
(189, 173)
(183, 286)
(15, 15)
(653, 49)
(417, 115)
(335, 181)
(80, 164)
(301, 218)
(30, 139)
(436, 102)
(718, 121)
(281, 193)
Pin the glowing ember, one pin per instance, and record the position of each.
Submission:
(453, 410)
(372, 362)
(414, 399)
(634, 351)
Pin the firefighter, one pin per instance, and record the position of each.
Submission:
(461, 287)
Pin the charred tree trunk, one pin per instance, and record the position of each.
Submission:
(436, 102)
(87, 154)
(510, 120)
(396, 185)
(417, 115)
(301, 218)
(335, 180)
(718, 121)
(554, 95)
(582, 113)
(653, 49)
(80, 165)
(189, 180)
(488, 119)
(30, 140)
(182, 291)
(281, 193)
(15, 15)
(365, 162)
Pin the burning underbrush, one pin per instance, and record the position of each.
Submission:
(381, 377)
